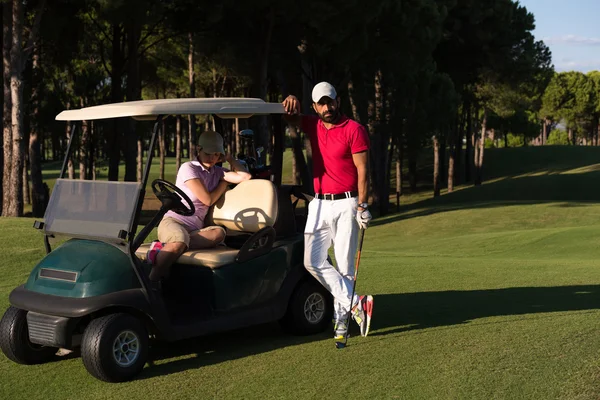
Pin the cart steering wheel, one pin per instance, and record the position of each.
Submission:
(171, 197)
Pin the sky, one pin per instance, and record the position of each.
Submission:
(571, 29)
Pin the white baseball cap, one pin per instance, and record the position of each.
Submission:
(211, 142)
(323, 89)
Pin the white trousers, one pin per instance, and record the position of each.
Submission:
(333, 222)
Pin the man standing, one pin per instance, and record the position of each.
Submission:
(340, 209)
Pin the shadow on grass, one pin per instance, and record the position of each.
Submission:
(394, 313)
(215, 349)
(569, 188)
(411, 311)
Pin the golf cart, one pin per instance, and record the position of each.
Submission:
(92, 291)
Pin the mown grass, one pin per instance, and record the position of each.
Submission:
(487, 292)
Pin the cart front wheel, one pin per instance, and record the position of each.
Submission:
(114, 348)
(14, 339)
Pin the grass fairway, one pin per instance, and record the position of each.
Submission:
(487, 292)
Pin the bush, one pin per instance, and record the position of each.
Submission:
(558, 137)
(515, 140)
(489, 143)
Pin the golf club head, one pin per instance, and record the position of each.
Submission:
(340, 345)
(258, 156)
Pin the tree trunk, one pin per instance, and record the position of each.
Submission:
(436, 166)
(353, 106)
(379, 143)
(469, 147)
(26, 186)
(56, 147)
(296, 179)
(373, 151)
(543, 133)
(91, 163)
(140, 159)
(302, 174)
(162, 149)
(388, 166)
(570, 136)
(177, 142)
(192, 118)
(458, 144)
(262, 137)
(7, 106)
(442, 155)
(399, 155)
(479, 153)
(452, 133)
(309, 77)
(134, 92)
(597, 128)
(277, 158)
(237, 136)
(70, 168)
(116, 96)
(16, 93)
(451, 173)
(83, 144)
(412, 171)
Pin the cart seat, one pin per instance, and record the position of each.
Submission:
(249, 207)
(211, 258)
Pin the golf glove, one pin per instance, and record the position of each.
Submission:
(363, 217)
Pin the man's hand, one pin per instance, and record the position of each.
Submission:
(291, 105)
(363, 217)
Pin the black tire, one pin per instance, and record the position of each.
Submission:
(103, 352)
(14, 340)
(310, 309)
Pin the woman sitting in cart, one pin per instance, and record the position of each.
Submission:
(204, 183)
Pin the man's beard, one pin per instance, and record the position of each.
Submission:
(330, 118)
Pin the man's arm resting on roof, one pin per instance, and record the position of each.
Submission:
(292, 109)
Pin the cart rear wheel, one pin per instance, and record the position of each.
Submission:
(114, 348)
(14, 339)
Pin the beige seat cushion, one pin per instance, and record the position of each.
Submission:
(248, 207)
(211, 258)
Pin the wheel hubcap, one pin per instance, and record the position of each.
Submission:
(126, 348)
(314, 308)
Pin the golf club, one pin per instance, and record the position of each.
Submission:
(341, 345)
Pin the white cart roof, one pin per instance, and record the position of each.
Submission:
(150, 109)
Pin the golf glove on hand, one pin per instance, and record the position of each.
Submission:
(363, 217)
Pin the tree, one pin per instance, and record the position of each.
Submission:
(570, 97)
(19, 54)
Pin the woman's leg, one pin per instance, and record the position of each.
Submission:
(176, 241)
(207, 237)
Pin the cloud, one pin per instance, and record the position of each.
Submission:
(572, 39)
(582, 65)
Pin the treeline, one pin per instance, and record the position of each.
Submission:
(573, 98)
(418, 73)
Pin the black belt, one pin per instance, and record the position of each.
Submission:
(337, 196)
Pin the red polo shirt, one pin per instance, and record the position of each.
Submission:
(333, 168)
